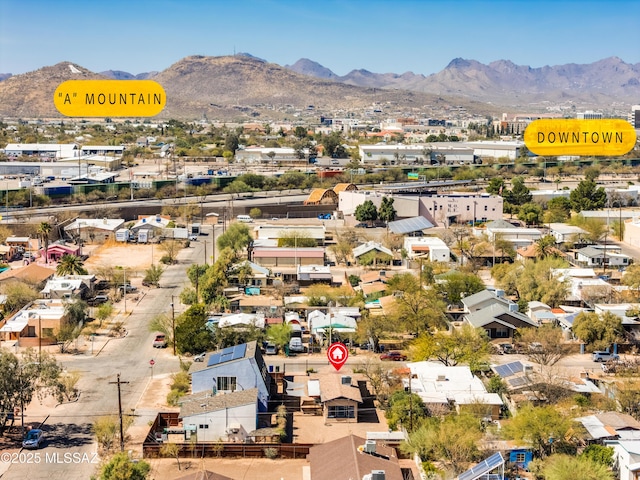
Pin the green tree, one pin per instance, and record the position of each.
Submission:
(366, 212)
(530, 214)
(519, 193)
(153, 274)
(452, 440)
(231, 142)
(255, 212)
(300, 132)
(419, 310)
(454, 286)
(563, 467)
(121, 467)
(598, 332)
(18, 295)
(599, 454)
(279, 334)
(44, 231)
(237, 187)
(171, 450)
(545, 246)
(465, 345)
(496, 186)
(171, 248)
(237, 237)
(332, 144)
(587, 196)
(558, 210)
(631, 278)
(386, 212)
(192, 335)
(22, 378)
(406, 410)
(104, 311)
(70, 265)
(545, 429)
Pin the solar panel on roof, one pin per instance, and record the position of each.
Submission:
(509, 369)
(484, 467)
(409, 225)
(518, 381)
(227, 354)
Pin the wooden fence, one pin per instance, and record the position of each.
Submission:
(237, 450)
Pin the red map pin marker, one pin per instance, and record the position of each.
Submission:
(338, 354)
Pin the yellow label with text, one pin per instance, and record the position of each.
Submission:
(110, 98)
(606, 137)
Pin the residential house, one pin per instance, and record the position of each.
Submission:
(583, 284)
(320, 324)
(275, 232)
(531, 252)
(631, 324)
(228, 417)
(353, 457)
(517, 236)
(65, 288)
(485, 298)
(610, 426)
(596, 257)
(498, 321)
(22, 244)
(378, 252)
(429, 248)
(439, 385)
(287, 256)
(32, 273)
(94, 230)
(232, 369)
(58, 250)
(626, 458)
(7, 253)
(36, 324)
(564, 233)
(310, 274)
(540, 313)
(339, 398)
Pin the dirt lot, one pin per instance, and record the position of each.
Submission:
(131, 255)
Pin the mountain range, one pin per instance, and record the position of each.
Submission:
(244, 86)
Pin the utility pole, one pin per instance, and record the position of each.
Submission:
(173, 325)
(119, 382)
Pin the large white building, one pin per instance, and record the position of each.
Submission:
(432, 248)
(52, 150)
(439, 209)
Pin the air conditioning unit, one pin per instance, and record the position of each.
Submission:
(377, 475)
(441, 378)
(346, 380)
(370, 446)
(233, 430)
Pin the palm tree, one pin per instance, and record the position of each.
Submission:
(44, 229)
(70, 265)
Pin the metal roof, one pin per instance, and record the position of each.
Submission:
(484, 467)
(409, 225)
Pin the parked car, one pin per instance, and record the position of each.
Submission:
(271, 349)
(600, 356)
(200, 357)
(193, 237)
(97, 300)
(160, 341)
(506, 348)
(34, 439)
(128, 288)
(395, 356)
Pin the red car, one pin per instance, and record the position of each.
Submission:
(395, 356)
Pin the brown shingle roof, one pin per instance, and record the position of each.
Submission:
(341, 459)
(331, 387)
(32, 273)
(197, 404)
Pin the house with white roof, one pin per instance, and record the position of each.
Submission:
(437, 384)
(36, 324)
(564, 233)
(431, 248)
(94, 230)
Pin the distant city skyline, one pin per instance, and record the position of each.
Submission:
(379, 36)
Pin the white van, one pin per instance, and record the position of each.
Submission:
(600, 356)
(245, 219)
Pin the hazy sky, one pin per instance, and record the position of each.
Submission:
(381, 36)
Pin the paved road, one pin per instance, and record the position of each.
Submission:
(70, 451)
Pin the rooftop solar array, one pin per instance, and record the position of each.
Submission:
(484, 467)
(227, 354)
(518, 381)
(509, 369)
(409, 225)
